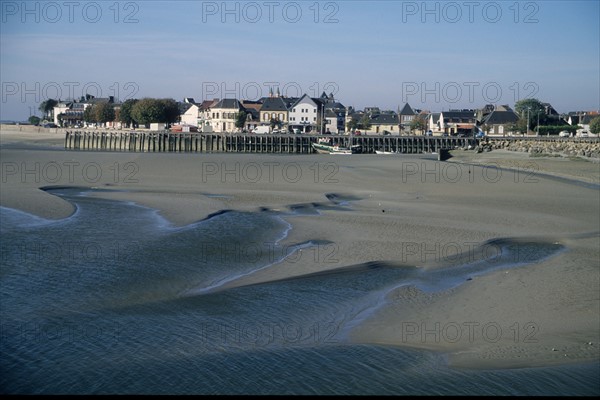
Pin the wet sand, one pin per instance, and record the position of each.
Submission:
(403, 210)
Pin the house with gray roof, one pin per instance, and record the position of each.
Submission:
(406, 117)
(223, 115)
(498, 120)
(458, 122)
(306, 115)
(275, 108)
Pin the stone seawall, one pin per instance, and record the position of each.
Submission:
(588, 148)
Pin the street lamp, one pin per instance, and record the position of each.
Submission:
(528, 108)
(322, 118)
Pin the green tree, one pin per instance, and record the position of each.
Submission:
(125, 112)
(240, 119)
(595, 125)
(365, 122)
(171, 112)
(352, 125)
(147, 111)
(89, 115)
(104, 112)
(33, 120)
(47, 107)
(275, 123)
(418, 123)
(532, 108)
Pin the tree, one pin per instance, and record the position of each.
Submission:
(418, 123)
(89, 115)
(47, 107)
(595, 125)
(352, 125)
(532, 109)
(33, 120)
(275, 123)
(170, 111)
(104, 112)
(517, 127)
(486, 128)
(365, 122)
(146, 111)
(240, 119)
(125, 113)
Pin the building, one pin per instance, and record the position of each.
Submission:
(275, 109)
(252, 109)
(71, 113)
(335, 115)
(386, 123)
(223, 115)
(497, 120)
(457, 122)
(189, 112)
(305, 115)
(406, 117)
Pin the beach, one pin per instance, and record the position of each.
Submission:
(412, 212)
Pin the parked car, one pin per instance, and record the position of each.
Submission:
(429, 133)
(261, 130)
(50, 125)
(480, 134)
(564, 134)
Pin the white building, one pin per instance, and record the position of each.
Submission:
(305, 114)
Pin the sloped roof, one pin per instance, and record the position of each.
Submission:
(407, 110)
(253, 112)
(335, 106)
(585, 119)
(459, 116)
(274, 104)
(384, 119)
(228, 103)
(206, 104)
(183, 107)
(317, 101)
(500, 117)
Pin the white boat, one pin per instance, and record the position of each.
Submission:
(329, 149)
(385, 152)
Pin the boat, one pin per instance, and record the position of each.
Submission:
(385, 152)
(183, 128)
(323, 148)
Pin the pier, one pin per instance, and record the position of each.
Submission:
(165, 141)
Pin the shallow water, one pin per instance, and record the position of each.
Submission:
(116, 300)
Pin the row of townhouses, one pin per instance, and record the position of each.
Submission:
(324, 114)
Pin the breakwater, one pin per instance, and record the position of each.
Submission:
(549, 146)
(248, 143)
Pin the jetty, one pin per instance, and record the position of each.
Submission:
(166, 141)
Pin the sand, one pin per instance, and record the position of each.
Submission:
(402, 210)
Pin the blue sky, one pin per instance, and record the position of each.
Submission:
(435, 55)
